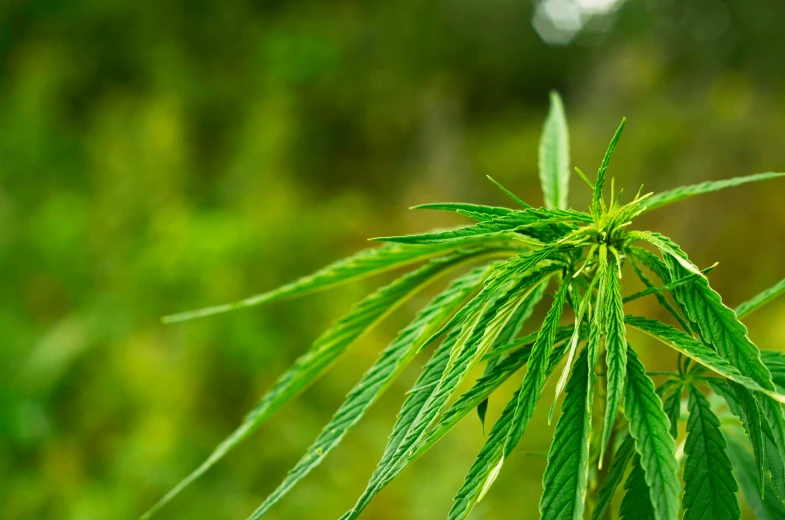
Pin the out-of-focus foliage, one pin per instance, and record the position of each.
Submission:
(159, 156)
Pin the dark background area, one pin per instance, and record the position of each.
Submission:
(157, 156)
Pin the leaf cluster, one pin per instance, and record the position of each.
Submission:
(613, 416)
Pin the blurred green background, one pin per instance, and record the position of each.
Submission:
(157, 156)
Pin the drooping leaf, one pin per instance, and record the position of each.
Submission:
(742, 403)
(486, 466)
(360, 265)
(387, 367)
(616, 353)
(774, 440)
(671, 403)
(709, 485)
(621, 460)
(567, 470)
(666, 287)
(696, 350)
(766, 507)
(775, 362)
(596, 201)
(720, 328)
(484, 386)
(760, 299)
(536, 375)
(554, 156)
(649, 426)
(508, 334)
(325, 350)
(676, 194)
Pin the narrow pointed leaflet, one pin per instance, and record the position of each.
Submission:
(567, 471)
(709, 485)
(536, 375)
(616, 353)
(391, 361)
(554, 156)
(325, 350)
(650, 428)
(674, 195)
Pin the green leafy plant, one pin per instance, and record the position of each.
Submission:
(613, 417)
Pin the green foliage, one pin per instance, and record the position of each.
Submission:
(516, 254)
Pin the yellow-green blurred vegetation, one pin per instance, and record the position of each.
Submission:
(158, 156)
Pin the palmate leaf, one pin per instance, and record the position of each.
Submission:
(760, 299)
(720, 328)
(360, 265)
(554, 156)
(326, 349)
(667, 197)
(536, 375)
(389, 468)
(649, 427)
(616, 353)
(696, 350)
(389, 364)
(567, 471)
(479, 331)
(709, 485)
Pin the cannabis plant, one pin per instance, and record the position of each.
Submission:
(613, 416)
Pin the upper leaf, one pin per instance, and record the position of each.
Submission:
(709, 486)
(555, 156)
(597, 202)
(666, 197)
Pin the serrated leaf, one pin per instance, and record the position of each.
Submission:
(621, 460)
(567, 471)
(486, 466)
(760, 299)
(479, 331)
(696, 350)
(554, 156)
(667, 246)
(487, 384)
(768, 508)
(775, 362)
(616, 353)
(637, 503)
(774, 440)
(720, 328)
(360, 265)
(671, 403)
(709, 485)
(661, 270)
(596, 202)
(742, 403)
(476, 211)
(649, 427)
(326, 349)
(508, 334)
(536, 375)
(387, 367)
(676, 194)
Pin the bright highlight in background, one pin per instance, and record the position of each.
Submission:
(558, 22)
